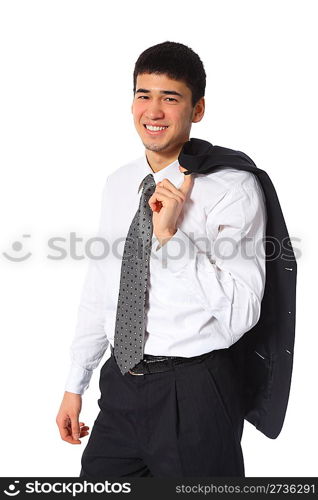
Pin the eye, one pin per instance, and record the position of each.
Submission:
(171, 99)
(142, 97)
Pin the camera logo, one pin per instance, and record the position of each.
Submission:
(12, 490)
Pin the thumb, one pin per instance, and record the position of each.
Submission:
(75, 428)
(182, 169)
(187, 182)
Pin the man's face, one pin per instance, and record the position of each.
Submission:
(162, 102)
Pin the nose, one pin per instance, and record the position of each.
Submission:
(154, 110)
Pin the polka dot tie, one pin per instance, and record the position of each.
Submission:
(130, 315)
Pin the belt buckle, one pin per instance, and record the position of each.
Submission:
(133, 373)
(147, 362)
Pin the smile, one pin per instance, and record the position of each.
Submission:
(155, 130)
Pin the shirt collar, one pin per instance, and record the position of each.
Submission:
(170, 172)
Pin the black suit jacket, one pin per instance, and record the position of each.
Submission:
(264, 355)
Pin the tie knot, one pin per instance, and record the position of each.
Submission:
(148, 185)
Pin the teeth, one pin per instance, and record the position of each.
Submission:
(154, 129)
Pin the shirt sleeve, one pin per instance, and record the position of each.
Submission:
(90, 342)
(228, 279)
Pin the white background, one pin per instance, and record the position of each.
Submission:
(66, 89)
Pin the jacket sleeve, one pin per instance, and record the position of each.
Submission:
(228, 277)
(90, 342)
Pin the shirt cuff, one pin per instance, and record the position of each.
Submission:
(78, 379)
(176, 252)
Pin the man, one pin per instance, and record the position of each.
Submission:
(171, 400)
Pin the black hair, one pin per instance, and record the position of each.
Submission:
(178, 62)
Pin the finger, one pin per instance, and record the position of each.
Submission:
(156, 206)
(157, 200)
(71, 440)
(182, 169)
(187, 184)
(168, 185)
(84, 434)
(82, 424)
(75, 427)
(63, 428)
(65, 432)
(154, 203)
(170, 194)
(84, 429)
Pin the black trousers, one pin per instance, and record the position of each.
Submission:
(185, 422)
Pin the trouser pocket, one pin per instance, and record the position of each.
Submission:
(223, 381)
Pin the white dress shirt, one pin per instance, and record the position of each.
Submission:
(205, 284)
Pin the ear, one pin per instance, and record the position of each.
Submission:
(198, 110)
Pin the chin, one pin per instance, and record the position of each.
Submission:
(155, 147)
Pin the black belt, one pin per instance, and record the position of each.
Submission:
(156, 364)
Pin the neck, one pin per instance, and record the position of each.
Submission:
(160, 160)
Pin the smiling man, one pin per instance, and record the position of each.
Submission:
(163, 113)
(171, 305)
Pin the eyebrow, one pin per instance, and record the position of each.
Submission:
(165, 92)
